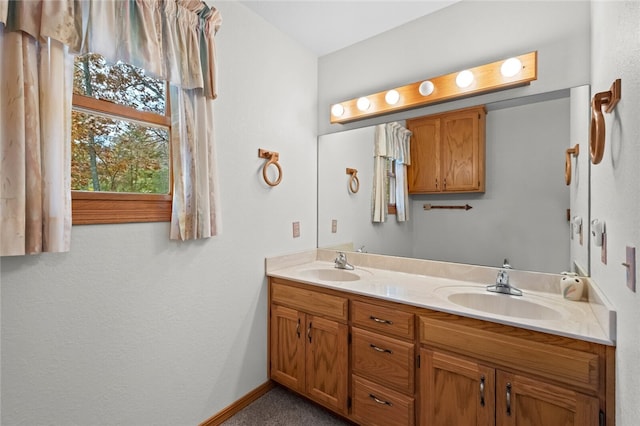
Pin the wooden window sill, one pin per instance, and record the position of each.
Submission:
(90, 208)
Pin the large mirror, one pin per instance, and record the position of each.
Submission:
(523, 216)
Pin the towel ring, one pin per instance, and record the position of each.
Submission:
(354, 182)
(609, 99)
(273, 158)
(575, 151)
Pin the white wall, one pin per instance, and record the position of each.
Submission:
(615, 195)
(130, 328)
(466, 34)
(522, 214)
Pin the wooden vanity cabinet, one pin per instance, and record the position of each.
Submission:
(309, 343)
(448, 152)
(377, 362)
(478, 373)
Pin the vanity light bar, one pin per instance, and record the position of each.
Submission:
(486, 78)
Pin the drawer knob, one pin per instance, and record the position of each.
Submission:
(380, 320)
(379, 349)
(380, 401)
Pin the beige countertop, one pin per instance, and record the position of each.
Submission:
(429, 284)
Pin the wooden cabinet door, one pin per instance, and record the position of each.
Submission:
(523, 401)
(287, 347)
(462, 155)
(455, 391)
(424, 171)
(326, 362)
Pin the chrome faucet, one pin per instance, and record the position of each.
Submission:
(502, 282)
(341, 262)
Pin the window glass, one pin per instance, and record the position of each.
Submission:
(121, 83)
(114, 155)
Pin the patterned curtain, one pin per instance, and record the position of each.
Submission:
(171, 40)
(391, 147)
(36, 78)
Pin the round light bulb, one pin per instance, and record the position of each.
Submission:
(337, 110)
(392, 97)
(464, 79)
(363, 104)
(511, 67)
(426, 88)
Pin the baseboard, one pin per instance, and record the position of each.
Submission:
(234, 408)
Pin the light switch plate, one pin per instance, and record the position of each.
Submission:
(630, 264)
(334, 226)
(296, 229)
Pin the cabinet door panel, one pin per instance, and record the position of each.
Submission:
(287, 347)
(523, 401)
(423, 174)
(461, 151)
(326, 362)
(455, 391)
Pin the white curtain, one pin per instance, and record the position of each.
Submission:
(36, 75)
(391, 146)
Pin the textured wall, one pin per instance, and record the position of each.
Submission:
(615, 197)
(132, 329)
(466, 34)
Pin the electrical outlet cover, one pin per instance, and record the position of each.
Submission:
(296, 229)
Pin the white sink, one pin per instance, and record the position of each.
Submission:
(327, 274)
(527, 306)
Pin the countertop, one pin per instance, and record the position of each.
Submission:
(429, 284)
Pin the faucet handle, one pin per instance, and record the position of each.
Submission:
(505, 264)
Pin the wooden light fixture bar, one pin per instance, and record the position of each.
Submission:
(485, 78)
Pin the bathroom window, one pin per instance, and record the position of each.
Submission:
(120, 156)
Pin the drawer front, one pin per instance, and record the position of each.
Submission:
(382, 319)
(376, 405)
(309, 301)
(570, 366)
(383, 359)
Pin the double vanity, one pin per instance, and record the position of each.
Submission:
(399, 341)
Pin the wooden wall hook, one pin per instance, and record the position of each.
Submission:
(272, 158)
(609, 100)
(575, 151)
(354, 182)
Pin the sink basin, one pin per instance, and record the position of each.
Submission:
(500, 304)
(331, 275)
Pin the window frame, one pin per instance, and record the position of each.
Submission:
(101, 207)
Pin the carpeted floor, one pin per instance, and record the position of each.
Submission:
(282, 407)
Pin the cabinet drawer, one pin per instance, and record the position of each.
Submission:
(567, 365)
(376, 405)
(309, 301)
(386, 320)
(383, 359)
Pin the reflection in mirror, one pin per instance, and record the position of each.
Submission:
(522, 216)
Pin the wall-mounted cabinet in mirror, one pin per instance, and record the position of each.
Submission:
(447, 152)
(522, 215)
